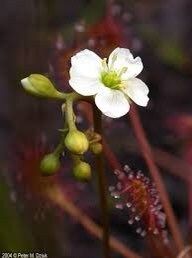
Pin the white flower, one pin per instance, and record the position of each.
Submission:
(113, 82)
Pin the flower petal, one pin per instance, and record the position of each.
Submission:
(87, 63)
(84, 85)
(112, 103)
(27, 85)
(137, 90)
(122, 57)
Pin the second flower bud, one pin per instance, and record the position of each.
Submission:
(76, 142)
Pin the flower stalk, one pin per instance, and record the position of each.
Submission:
(57, 195)
(70, 115)
(148, 156)
(102, 186)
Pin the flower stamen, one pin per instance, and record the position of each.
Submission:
(114, 58)
(111, 79)
(104, 64)
(122, 71)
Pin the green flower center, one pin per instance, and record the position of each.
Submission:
(111, 79)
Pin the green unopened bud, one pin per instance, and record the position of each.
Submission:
(50, 164)
(39, 85)
(76, 142)
(82, 171)
(96, 148)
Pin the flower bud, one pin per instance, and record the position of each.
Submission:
(76, 142)
(96, 148)
(39, 85)
(82, 171)
(49, 164)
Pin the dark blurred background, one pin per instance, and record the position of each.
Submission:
(40, 36)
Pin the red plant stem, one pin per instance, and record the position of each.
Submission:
(113, 161)
(185, 253)
(187, 157)
(102, 184)
(171, 163)
(148, 156)
(157, 247)
(57, 196)
(111, 158)
(190, 202)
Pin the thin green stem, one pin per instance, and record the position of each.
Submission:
(71, 95)
(60, 95)
(61, 146)
(102, 186)
(69, 123)
(76, 158)
(70, 115)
